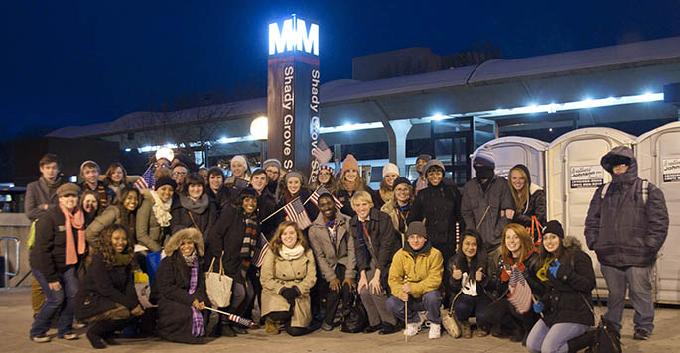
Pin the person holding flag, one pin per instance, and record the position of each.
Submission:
(333, 248)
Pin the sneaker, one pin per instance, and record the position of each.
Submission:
(77, 325)
(41, 339)
(481, 332)
(326, 326)
(435, 331)
(641, 335)
(69, 336)
(412, 329)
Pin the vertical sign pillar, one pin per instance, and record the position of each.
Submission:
(293, 82)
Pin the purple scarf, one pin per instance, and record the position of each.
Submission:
(197, 327)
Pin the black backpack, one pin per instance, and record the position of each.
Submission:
(354, 318)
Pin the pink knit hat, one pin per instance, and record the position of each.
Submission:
(350, 163)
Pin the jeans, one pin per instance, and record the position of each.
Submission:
(638, 281)
(467, 306)
(430, 301)
(59, 302)
(544, 339)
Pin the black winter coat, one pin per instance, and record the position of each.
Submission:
(266, 205)
(439, 207)
(535, 207)
(567, 297)
(49, 252)
(227, 235)
(312, 210)
(184, 218)
(174, 301)
(103, 287)
(385, 241)
(221, 198)
(621, 228)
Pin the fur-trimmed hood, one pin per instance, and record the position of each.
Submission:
(192, 234)
(571, 242)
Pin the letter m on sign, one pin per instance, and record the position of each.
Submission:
(293, 36)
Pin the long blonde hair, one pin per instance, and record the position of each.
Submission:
(520, 197)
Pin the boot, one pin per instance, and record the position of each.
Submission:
(271, 327)
(96, 332)
(467, 330)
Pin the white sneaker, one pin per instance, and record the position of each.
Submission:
(412, 329)
(435, 331)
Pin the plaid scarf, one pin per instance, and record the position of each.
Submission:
(197, 326)
(249, 238)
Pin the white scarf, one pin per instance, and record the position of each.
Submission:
(291, 254)
(161, 209)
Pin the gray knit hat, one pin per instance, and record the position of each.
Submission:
(272, 162)
(433, 163)
(416, 228)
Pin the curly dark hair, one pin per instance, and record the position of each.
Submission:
(105, 247)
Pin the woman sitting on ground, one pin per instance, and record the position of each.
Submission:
(568, 274)
(107, 297)
(287, 275)
(180, 289)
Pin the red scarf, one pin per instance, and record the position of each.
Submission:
(76, 221)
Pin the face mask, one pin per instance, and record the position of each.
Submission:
(484, 172)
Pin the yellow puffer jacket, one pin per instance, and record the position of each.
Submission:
(423, 273)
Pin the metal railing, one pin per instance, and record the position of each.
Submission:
(5, 241)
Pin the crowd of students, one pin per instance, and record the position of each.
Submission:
(406, 250)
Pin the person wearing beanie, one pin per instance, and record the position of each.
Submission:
(89, 174)
(415, 277)
(349, 182)
(154, 216)
(273, 169)
(293, 187)
(326, 178)
(233, 239)
(529, 198)
(421, 182)
(400, 206)
(468, 277)
(568, 276)
(487, 204)
(240, 175)
(439, 204)
(626, 226)
(58, 248)
(390, 172)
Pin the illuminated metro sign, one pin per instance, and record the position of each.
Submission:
(293, 36)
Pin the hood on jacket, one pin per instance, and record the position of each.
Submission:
(608, 159)
(176, 240)
(532, 187)
(571, 242)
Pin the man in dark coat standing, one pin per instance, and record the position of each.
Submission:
(626, 226)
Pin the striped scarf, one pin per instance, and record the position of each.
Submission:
(197, 326)
(249, 238)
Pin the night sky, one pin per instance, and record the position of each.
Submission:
(79, 62)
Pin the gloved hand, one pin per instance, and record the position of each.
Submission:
(538, 307)
(554, 267)
(290, 293)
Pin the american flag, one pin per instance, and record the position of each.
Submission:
(235, 318)
(296, 212)
(262, 252)
(519, 292)
(146, 181)
(320, 191)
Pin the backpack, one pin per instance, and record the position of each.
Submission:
(354, 317)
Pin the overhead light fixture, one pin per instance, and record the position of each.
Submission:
(259, 128)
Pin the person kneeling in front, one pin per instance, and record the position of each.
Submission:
(414, 278)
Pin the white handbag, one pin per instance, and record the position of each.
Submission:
(218, 286)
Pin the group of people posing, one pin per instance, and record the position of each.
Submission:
(301, 255)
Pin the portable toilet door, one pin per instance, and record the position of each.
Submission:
(512, 150)
(574, 173)
(658, 158)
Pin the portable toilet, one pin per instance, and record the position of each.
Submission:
(573, 174)
(658, 158)
(512, 150)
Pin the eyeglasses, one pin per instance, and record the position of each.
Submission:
(179, 173)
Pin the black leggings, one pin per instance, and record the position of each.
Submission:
(502, 313)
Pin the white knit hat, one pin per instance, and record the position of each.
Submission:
(239, 159)
(390, 168)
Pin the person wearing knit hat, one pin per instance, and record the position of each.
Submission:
(399, 207)
(326, 177)
(273, 169)
(293, 187)
(349, 182)
(439, 204)
(414, 278)
(487, 203)
(567, 273)
(421, 182)
(165, 180)
(272, 162)
(390, 172)
(58, 248)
